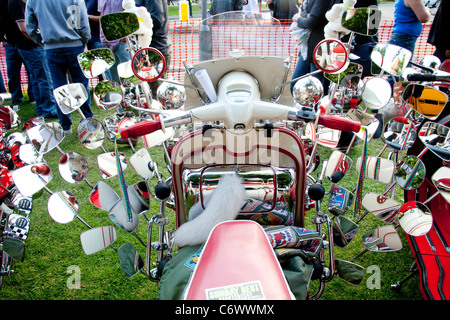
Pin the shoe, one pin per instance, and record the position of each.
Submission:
(16, 108)
(67, 132)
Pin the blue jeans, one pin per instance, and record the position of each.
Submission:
(403, 40)
(121, 56)
(304, 67)
(363, 51)
(60, 62)
(40, 80)
(2, 83)
(14, 64)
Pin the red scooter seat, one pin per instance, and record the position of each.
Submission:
(220, 274)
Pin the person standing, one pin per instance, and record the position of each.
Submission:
(13, 59)
(409, 17)
(160, 16)
(221, 6)
(311, 17)
(34, 57)
(63, 28)
(438, 33)
(283, 9)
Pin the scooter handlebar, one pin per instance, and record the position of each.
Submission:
(339, 123)
(140, 129)
(428, 77)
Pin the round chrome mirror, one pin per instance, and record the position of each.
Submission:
(73, 167)
(307, 91)
(415, 218)
(331, 56)
(376, 93)
(108, 95)
(62, 207)
(170, 95)
(399, 134)
(409, 172)
(91, 133)
(148, 64)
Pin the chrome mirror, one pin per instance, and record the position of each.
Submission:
(399, 134)
(63, 207)
(409, 172)
(103, 196)
(427, 101)
(108, 95)
(376, 93)
(415, 218)
(364, 21)
(441, 180)
(32, 178)
(73, 167)
(376, 168)
(380, 206)
(95, 62)
(70, 97)
(148, 64)
(97, 239)
(436, 137)
(391, 58)
(91, 133)
(118, 25)
(331, 56)
(382, 239)
(130, 260)
(45, 137)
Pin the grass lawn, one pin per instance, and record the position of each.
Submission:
(53, 250)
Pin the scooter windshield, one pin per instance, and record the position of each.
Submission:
(238, 33)
(251, 42)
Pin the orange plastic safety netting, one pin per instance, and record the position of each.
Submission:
(263, 38)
